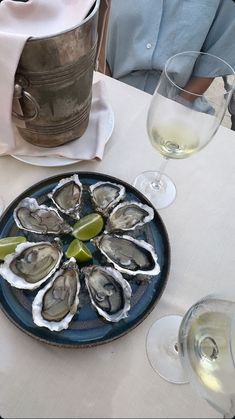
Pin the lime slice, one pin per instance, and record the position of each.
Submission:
(88, 226)
(79, 251)
(8, 245)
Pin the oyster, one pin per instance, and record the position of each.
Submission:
(127, 254)
(31, 216)
(31, 264)
(67, 196)
(105, 195)
(55, 305)
(109, 292)
(128, 215)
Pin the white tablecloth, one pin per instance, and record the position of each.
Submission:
(115, 380)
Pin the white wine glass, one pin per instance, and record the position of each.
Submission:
(200, 349)
(185, 112)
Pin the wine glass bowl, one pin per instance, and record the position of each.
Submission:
(184, 114)
(207, 350)
(199, 348)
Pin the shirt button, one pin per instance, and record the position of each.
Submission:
(148, 45)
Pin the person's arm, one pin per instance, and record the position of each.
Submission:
(196, 85)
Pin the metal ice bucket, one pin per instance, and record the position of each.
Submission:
(53, 84)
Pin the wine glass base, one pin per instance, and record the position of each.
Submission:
(162, 195)
(162, 351)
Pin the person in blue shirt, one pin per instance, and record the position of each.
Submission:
(143, 34)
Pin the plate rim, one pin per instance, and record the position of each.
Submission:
(59, 160)
(26, 159)
(81, 345)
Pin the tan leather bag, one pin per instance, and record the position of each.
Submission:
(101, 64)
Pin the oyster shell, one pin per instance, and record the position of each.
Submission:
(105, 195)
(67, 196)
(31, 264)
(55, 305)
(127, 254)
(109, 292)
(129, 215)
(31, 216)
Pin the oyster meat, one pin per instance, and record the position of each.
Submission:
(127, 254)
(55, 305)
(31, 264)
(109, 292)
(129, 215)
(67, 196)
(31, 216)
(105, 195)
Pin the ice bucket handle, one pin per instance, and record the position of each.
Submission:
(20, 92)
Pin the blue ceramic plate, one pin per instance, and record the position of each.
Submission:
(87, 328)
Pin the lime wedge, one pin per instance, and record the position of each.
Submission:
(79, 251)
(8, 245)
(88, 226)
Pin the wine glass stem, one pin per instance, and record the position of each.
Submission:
(157, 184)
(1, 205)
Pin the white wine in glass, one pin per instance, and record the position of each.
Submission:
(185, 112)
(199, 348)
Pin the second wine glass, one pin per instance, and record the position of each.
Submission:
(184, 114)
(199, 348)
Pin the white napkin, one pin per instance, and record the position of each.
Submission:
(18, 22)
(90, 145)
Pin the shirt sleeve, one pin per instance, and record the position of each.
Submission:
(220, 39)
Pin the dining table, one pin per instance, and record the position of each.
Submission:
(115, 379)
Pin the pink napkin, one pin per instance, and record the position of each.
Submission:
(18, 22)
